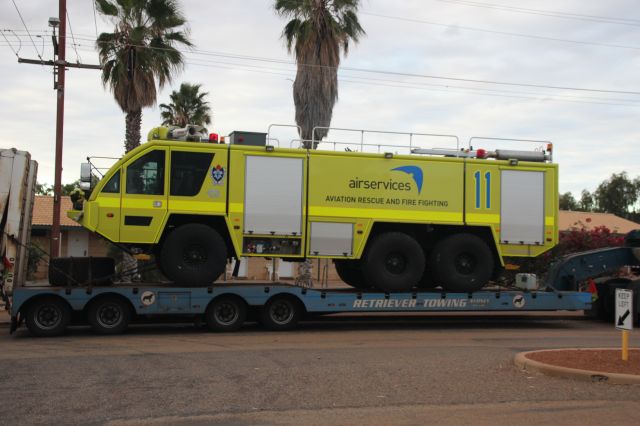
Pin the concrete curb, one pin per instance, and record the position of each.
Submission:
(527, 364)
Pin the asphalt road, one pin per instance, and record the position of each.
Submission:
(350, 370)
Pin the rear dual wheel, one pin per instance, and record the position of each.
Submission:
(226, 313)
(109, 315)
(461, 263)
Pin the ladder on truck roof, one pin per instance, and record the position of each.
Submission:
(17, 190)
(418, 143)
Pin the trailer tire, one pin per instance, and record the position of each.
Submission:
(226, 313)
(394, 262)
(281, 313)
(193, 254)
(350, 271)
(109, 315)
(462, 263)
(47, 316)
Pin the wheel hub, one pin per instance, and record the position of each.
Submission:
(396, 263)
(194, 255)
(48, 317)
(109, 315)
(465, 263)
(226, 313)
(281, 312)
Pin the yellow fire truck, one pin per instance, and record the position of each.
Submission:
(390, 221)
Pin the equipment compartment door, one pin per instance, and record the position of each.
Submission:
(522, 207)
(273, 195)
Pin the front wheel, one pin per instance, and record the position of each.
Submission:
(226, 313)
(48, 317)
(281, 313)
(193, 254)
(462, 263)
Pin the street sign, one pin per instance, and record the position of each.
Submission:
(624, 309)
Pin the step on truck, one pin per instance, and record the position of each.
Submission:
(80, 295)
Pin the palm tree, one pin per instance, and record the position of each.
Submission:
(187, 106)
(316, 34)
(138, 53)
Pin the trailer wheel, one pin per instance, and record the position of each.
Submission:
(108, 315)
(350, 271)
(394, 262)
(462, 263)
(226, 313)
(281, 313)
(48, 317)
(193, 254)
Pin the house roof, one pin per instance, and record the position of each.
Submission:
(43, 212)
(617, 225)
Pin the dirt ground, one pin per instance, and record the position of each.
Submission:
(602, 360)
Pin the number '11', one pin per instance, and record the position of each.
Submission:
(487, 178)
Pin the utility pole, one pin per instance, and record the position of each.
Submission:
(59, 67)
(54, 250)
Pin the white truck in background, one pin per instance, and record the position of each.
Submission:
(17, 188)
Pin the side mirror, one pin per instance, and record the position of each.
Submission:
(85, 186)
(85, 172)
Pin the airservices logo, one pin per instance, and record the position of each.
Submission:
(390, 184)
(415, 172)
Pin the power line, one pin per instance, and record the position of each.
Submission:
(25, 27)
(394, 73)
(550, 13)
(78, 58)
(9, 44)
(505, 33)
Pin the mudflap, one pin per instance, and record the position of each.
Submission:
(14, 324)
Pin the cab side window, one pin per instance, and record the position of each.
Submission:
(188, 170)
(146, 174)
(113, 186)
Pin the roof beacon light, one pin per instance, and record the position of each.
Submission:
(213, 137)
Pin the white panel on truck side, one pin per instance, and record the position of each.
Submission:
(522, 207)
(273, 195)
(331, 239)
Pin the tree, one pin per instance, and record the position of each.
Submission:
(617, 195)
(316, 34)
(568, 202)
(43, 189)
(586, 201)
(140, 51)
(187, 106)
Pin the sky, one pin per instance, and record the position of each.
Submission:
(386, 81)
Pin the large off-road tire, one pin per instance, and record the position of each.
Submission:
(193, 254)
(394, 262)
(226, 313)
(462, 263)
(108, 315)
(47, 316)
(281, 312)
(350, 271)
